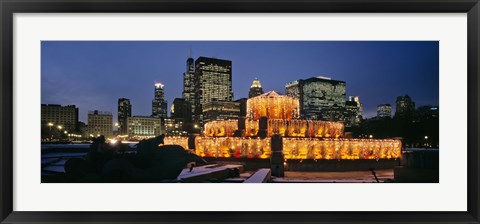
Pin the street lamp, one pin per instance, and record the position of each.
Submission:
(426, 141)
(50, 125)
(59, 127)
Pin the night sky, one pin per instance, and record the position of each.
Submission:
(93, 74)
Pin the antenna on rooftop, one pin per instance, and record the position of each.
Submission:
(190, 52)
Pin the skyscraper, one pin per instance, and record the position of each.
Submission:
(213, 82)
(159, 104)
(124, 112)
(189, 83)
(255, 89)
(384, 110)
(405, 107)
(320, 98)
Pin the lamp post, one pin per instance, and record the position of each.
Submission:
(426, 141)
(195, 128)
(117, 125)
(60, 127)
(50, 125)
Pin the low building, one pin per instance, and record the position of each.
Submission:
(100, 123)
(220, 110)
(57, 115)
(174, 127)
(141, 127)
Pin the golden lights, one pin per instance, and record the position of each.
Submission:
(314, 148)
(174, 140)
(302, 139)
(233, 147)
(221, 128)
(273, 106)
(300, 148)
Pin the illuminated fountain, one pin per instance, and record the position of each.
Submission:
(272, 114)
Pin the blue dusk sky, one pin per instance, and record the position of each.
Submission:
(93, 74)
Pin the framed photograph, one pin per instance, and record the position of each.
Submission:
(263, 112)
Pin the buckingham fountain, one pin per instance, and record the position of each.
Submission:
(272, 131)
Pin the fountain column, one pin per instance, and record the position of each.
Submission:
(276, 159)
(263, 127)
(191, 141)
(241, 127)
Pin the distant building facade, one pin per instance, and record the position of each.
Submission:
(174, 127)
(427, 111)
(221, 110)
(181, 110)
(359, 104)
(384, 111)
(100, 123)
(141, 127)
(255, 89)
(320, 98)
(353, 111)
(242, 103)
(213, 82)
(181, 115)
(405, 107)
(65, 116)
(159, 104)
(124, 112)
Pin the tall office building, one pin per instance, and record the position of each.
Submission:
(159, 104)
(100, 123)
(189, 83)
(405, 107)
(213, 82)
(57, 115)
(124, 112)
(384, 110)
(255, 89)
(320, 98)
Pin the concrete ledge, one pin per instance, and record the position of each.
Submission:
(209, 172)
(311, 164)
(261, 176)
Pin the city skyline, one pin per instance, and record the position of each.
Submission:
(93, 75)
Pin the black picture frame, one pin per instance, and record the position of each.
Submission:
(9, 7)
